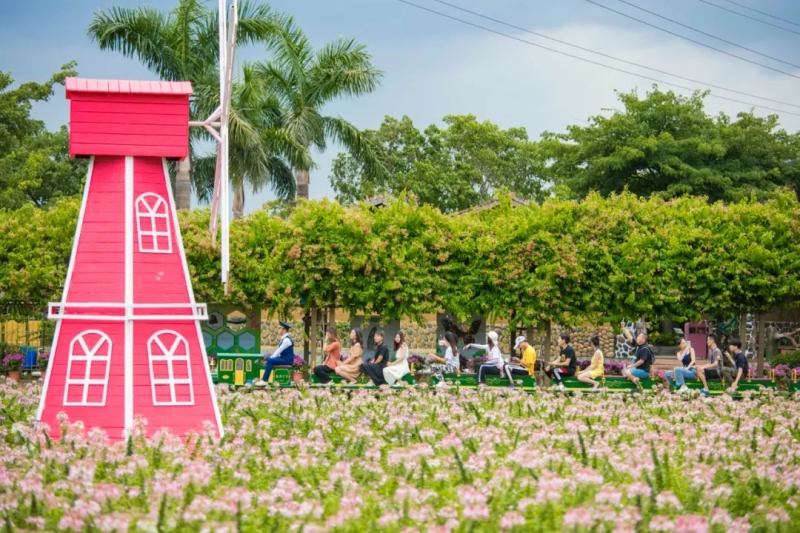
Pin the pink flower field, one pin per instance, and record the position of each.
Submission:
(453, 460)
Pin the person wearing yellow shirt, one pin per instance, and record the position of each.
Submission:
(524, 366)
(596, 369)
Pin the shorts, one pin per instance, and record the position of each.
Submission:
(711, 373)
(639, 373)
(594, 374)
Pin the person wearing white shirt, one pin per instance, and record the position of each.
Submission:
(450, 363)
(282, 356)
(494, 364)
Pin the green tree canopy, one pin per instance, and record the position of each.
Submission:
(666, 144)
(599, 259)
(452, 168)
(35, 167)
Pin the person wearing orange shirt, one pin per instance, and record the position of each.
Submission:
(333, 349)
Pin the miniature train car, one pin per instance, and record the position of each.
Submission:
(238, 370)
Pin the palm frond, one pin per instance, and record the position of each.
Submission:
(140, 33)
(259, 23)
(203, 171)
(357, 144)
(306, 125)
(278, 82)
(342, 68)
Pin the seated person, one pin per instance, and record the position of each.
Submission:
(282, 356)
(450, 363)
(644, 358)
(567, 364)
(398, 368)
(712, 369)
(374, 369)
(733, 375)
(524, 366)
(333, 348)
(596, 368)
(349, 369)
(688, 371)
(495, 362)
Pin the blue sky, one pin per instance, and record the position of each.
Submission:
(435, 67)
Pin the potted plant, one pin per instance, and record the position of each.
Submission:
(418, 366)
(13, 363)
(42, 361)
(299, 367)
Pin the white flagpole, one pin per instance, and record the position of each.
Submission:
(223, 144)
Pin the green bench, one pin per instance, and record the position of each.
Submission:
(361, 382)
(610, 383)
(471, 380)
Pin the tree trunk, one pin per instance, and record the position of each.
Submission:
(183, 184)
(761, 346)
(238, 200)
(302, 177)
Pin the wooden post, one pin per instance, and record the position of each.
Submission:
(332, 317)
(742, 330)
(306, 334)
(512, 332)
(312, 338)
(548, 339)
(761, 345)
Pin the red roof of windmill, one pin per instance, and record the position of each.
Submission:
(88, 85)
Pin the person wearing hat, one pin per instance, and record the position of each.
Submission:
(524, 366)
(282, 356)
(494, 364)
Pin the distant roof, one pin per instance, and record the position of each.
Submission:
(515, 202)
(86, 85)
(377, 201)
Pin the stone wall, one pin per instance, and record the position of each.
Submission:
(579, 337)
(423, 338)
(420, 338)
(270, 335)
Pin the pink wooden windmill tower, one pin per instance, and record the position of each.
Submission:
(127, 339)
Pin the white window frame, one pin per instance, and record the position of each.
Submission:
(169, 356)
(90, 355)
(153, 213)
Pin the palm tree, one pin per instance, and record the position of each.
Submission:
(304, 81)
(182, 44)
(259, 147)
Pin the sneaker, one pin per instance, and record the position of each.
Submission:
(370, 383)
(705, 392)
(561, 386)
(260, 383)
(684, 389)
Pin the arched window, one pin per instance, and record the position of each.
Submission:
(88, 365)
(152, 224)
(170, 369)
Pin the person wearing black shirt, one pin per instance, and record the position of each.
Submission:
(643, 358)
(734, 375)
(567, 363)
(374, 369)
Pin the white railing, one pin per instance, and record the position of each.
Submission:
(121, 311)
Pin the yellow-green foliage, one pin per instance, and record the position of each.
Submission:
(563, 261)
